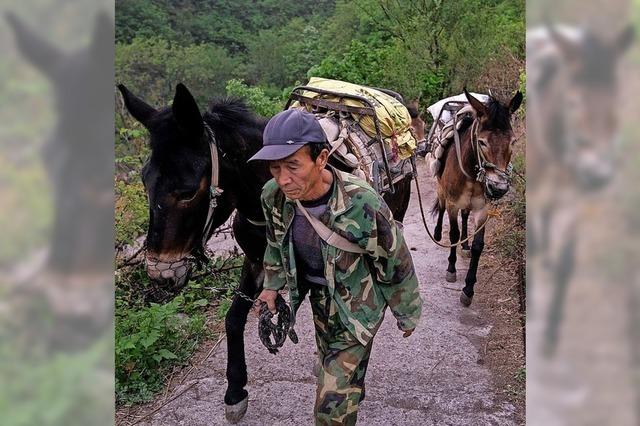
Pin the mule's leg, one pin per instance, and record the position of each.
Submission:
(532, 249)
(465, 227)
(562, 271)
(403, 201)
(454, 237)
(236, 397)
(437, 233)
(476, 250)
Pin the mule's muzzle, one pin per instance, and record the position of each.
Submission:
(495, 189)
(593, 174)
(172, 274)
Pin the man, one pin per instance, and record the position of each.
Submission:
(348, 291)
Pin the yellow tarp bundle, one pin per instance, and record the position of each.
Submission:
(393, 117)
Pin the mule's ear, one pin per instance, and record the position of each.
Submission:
(515, 102)
(569, 48)
(138, 108)
(624, 39)
(480, 108)
(36, 49)
(186, 112)
(103, 34)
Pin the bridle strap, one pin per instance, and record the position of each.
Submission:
(481, 162)
(456, 138)
(214, 190)
(256, 222)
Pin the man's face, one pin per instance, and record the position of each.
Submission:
(298, 175)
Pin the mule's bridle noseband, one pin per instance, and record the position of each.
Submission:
(481, 161)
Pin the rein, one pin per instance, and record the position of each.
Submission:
(424, 219)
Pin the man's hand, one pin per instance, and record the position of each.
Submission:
(269, 297)
(408, 333)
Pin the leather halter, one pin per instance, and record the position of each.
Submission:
(214, 190)
(481, 161)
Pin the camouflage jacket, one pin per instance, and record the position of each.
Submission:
(362, 285)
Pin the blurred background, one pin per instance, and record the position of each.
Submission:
(56, 212)
(583, 231)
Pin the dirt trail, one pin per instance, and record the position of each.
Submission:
(435, 377)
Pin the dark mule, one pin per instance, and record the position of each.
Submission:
(458, 190)
(571, 153)
(177, 178)
(76, 156)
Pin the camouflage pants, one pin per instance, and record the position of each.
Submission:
(343, 360)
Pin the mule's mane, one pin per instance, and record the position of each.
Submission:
(237, 127)
(499, 115)
(230, 111)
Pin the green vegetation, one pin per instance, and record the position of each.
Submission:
(424, 50)
(151, 339)
(26, 214)
(255, 98)
(512, 244)
(132, 213)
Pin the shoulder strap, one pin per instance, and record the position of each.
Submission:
(329, 236)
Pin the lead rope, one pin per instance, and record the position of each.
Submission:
(424, 220)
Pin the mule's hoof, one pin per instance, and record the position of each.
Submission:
(466, 252)
(235, 413)
(464, 299)
(451, 277)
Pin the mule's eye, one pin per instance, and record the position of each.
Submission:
(186, 194)
(483, 143)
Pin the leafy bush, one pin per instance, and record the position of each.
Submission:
(255, 97)
(27, 209)
(131, 213)
(148, 341)
(50, 387)
(152, 339)
(152, 67)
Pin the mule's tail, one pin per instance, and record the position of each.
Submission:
(435, 209)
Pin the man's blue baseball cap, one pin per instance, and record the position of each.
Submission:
(287, 132)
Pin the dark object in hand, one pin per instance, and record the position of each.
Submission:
(266, 327)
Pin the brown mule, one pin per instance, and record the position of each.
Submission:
(482, 172)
